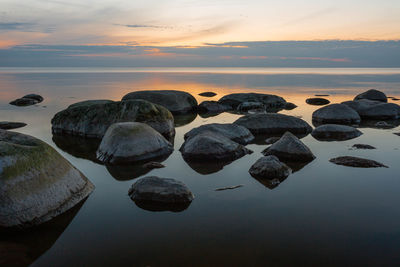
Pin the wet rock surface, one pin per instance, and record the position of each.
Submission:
(269, 167)
(335, 132)
(336, 114)
(9, 125)
(372, 94)
(357, 162)
(234, 100)
(317, 101)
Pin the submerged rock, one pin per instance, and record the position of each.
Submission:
(363, 146)
(234, 132)
(208, 94)
(290, 148)
(93, 120)
(37, 183)
(272, 123)
(212, 107)
(9, 125)
(178, 102)
(27, 100)
(234, 100)
(269, 167)
(336, 114)
(317, 101)
(357, 162)
(372, 94)
(335, 132)
(129, 142)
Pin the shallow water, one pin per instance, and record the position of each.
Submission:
(322, 214)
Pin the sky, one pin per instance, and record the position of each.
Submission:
(207, 32)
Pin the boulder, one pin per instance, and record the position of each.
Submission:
(234, 132)
(356, 162)
(383, 111)
(290, 148)
(336, 114)
(177, 102)
(27, 100)
(270, 101)
(92, 120)
(372, 94)
(363, 146)
(273, 123)
(246, 106)
(361, 104)
(269, 167)
(8, 125)
(211, 146)
(212, 107)
(317, 101)
(36, 182)
(335, 132)
(129, 142)
(208, 94)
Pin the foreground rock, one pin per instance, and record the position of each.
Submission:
(363, 146)
(93, 119)
(357, 162)
(210, 146)
(177, 102)
(129, 142)
(317, 101)
(335, 132)
(208, 94)
(273, 123)
(336, 114)
(269, 167)
(8, 125)
(27, 100)
(270, 101)
(372, 94)
(290, 148)
(234, 132)
(212, 107)
(158, 194)
(37, 183)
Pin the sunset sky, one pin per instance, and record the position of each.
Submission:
(153, 25)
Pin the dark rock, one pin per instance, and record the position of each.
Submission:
(356, 162)
(208, 94)
(290, 106)
(22, 102)
(36, 97)
(336, 114)
(395, 99)
(383, 111)
(8, 125)
(335, 132)
(321, 95)
(269, 167)
(272, 140)
(153, 165)
(397, 134)
(246, 106)
(234, 100)
(317, 101)
(78, 146)
(372, 94)
(212, 107)
(362, 104)
(363, 146)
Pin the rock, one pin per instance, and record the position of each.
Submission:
(336, 114)
(234, 132)
(36, 97)
(272, 140)
(395, 99)
(211, 146)
(128, 142)
(27, 100)
(157, 194)
(229, 187)
(383, 111)
(272, 123)
(361, 104)
(356, 162)
(37, 183)
(246, 106)
(90, 102)
(212, 107)
(177, 102)
(335, 132)
(153, 165)
(372, 94)
(270, 167)
(270, 101)
(290, 106)
(363, 146)
(317, 101)
(8, 125)
(290, 148)
(383, 125)
(93, 120)
(208, 94)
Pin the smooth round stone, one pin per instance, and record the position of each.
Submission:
(129, 142)
(336, 114)
(372, 94)
(212, 107)
(273, 123)
(178, 102)
(9, 125)
(317, 101)
(36, 182)
(208, 94)
(335, 132)
(234, 100)
(357, 162)
(270, 167)
(234, 132)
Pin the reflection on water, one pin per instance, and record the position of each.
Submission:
(78, 146)
(160, 206)
(183, 119)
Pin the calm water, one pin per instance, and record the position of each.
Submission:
(323, 214)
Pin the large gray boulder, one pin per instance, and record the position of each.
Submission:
(375, 110)
(290, 148)
(269, 167)
(36, 182)
(91, 119)
(274, 123)
(178, 102)
(129, 142)
(335, 132)
(372, 94)
(236, 133)
(270, 101)
(210, 146)
(336, 114)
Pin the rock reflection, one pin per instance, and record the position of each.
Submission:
(159, 206)
(206, 168)
(184, 119)
(78, 147)
(127, 172)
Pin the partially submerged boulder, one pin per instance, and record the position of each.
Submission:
(234, 132)
(335, 132)
(336, 114)
(270, 101)
(290, 148)
(318, 101)
(129, 142)
(212, 107)
(36, 182)
(9, 125)
(178, 102)
(372, 94)
(363, 146)
(269, 167)
(93, 119)
(27, 100)
(357, 162)
(375, 110)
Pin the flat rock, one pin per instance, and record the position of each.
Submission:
(129, 142)
(234, 132)
(336, 114)
(317, 101)
(321, 95)
(27, 100)
(273, 123)
(363, 146)
(37, 183)
(357, 162)
(93, 120)
(210, 146)
(178, 102)
(8, 125)
(212, 107)
(208, 94)
(372, 94)
(234, 100)
(290, 148)
(269, 167)
(361, 104)
(335, 132)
